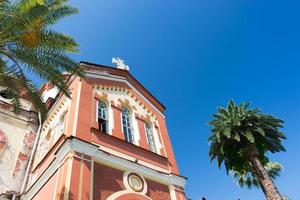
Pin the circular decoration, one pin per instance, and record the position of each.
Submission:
(135, 182)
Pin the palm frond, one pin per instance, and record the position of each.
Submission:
(248, 180)
(28, 44)
(234, 129)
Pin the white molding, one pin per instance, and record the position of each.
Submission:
(154, 167)
(132, 159)
(158, 145)
(117, 153)
(92, 150)
(122, 192)
(62, 153)
(111, 119)
(92, 180)
(68, 178)
(97, 107)
(80, 177)
(96, 74)
(76, 145)
(68, 110)
(172, 192)
(136, 130)
(77, 108)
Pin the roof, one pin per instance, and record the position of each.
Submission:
(124, 73)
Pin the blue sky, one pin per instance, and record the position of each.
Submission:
(195, 55)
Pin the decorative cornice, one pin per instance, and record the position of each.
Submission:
(106, 88)
(125, 74)
(25, 115)
(98, 74)
(61, 104)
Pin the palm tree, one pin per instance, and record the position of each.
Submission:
(248, 179)
(28, 45)
(241, 138)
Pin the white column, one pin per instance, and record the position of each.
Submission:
(111, 123)
(136, 130)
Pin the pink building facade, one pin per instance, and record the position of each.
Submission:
(109, 141)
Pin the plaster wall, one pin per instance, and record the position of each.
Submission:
(19, 131)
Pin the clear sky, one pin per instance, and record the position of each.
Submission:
(195, 55)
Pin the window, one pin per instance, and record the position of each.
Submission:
(102, 117)
(150, 138)
(126, 123)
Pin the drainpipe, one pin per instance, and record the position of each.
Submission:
(24, 185)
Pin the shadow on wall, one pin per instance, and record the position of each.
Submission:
(61, 194)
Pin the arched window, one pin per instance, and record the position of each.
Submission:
(150, 137)
(102, 117)
(126, 123)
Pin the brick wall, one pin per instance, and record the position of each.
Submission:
(108, 180)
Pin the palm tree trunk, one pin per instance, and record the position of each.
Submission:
(270, 190)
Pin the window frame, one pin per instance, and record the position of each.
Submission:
(149, 133)
(129, 136)
(106, 113)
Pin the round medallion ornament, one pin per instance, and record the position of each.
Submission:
(135, 182)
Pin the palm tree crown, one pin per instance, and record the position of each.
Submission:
(235, 128)
(240, 138)
(27, 44)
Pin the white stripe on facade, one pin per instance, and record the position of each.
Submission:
(76, 145)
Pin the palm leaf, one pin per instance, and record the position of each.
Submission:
(29, 45)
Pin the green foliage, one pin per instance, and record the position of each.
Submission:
(28, 44)
(248, 180)
(235, 129)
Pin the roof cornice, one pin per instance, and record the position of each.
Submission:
(130, 78)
